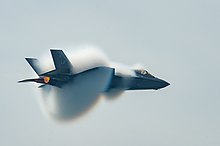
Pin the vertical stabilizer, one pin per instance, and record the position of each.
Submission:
(61, 62)
(34, 63)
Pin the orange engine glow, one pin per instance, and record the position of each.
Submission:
(46, 79)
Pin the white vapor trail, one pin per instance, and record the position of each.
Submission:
(77, 97)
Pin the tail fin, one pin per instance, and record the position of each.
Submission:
(61, 62)
(34, 63)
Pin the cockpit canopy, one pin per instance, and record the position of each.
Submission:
(142, 72)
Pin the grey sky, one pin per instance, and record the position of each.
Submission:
(176, 40)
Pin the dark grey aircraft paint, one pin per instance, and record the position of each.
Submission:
(64, 73)
(141, 81)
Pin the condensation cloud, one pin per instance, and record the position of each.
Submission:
(79, 96)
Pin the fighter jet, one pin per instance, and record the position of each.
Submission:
(64, 73)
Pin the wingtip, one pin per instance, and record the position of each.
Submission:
(55, 49)
(29, 58)
(20, 81)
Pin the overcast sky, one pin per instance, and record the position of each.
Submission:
(178, 41)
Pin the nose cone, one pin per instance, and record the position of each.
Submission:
(160, 84)
(149, 82)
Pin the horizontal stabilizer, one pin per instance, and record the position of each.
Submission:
(27, 80)
(61, 62)
(41, 86)
(34, 63)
